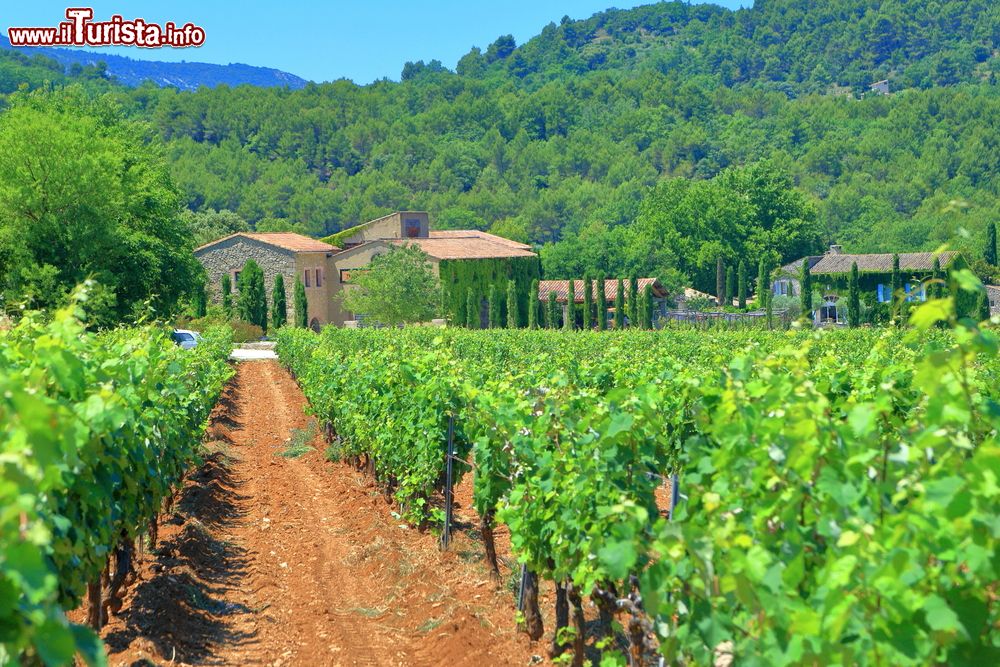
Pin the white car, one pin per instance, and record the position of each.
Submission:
(186, 339)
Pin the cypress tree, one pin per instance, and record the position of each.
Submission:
(253, 301)
(741, 278)
(301, 305)
(588, 302)
(990, 251)
(570, 322)
(199, 300)
(602, 305)
(472, 318)
(552, 312)
(937, 281)
(983, 306)
(513, 313)
(897, 289)
(853, 298)
(493, 307)
(720, 282)
(763, 283)
(730, 285)
(279, 305)
(647, 307)
(619, 305)
(533, 305)
(769, 310)
(806, 291)
(634, 310)
(227, 296)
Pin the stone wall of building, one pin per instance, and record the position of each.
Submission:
(392, 226)
(318, 298)
(228, 258)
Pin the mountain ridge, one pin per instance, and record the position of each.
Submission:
(183, 75)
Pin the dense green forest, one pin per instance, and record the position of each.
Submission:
(583, 139)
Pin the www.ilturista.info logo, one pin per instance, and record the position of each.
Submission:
(80, 30)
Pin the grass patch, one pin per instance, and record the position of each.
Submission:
(513, 580)
(368, 612)
(298, 443)
(430, 624)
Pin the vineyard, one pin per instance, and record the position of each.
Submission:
(838, 491)
(98, 432)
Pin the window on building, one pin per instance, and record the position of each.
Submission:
(828, 312)
(307, 279)
(883, 293)
(916, 292)
(412, 228)
(319, 277)
(783, 287)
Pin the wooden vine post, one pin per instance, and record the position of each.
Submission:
(449, 479)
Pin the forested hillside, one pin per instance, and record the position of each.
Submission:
(561, 141)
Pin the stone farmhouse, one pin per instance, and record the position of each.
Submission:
(325, 267)
(830, 273)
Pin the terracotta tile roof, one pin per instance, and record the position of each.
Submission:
(838, 263)
(473, 233)
(286, 240)
(561, 288)
(692, 293)
(465, 247)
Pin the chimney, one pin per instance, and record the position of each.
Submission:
(835, 250)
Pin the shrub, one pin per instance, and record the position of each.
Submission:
(244, 332)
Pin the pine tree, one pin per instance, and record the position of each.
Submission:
(647, 307)
(513, 313)
(741, 279)
(570, 322)
(472, 317)
(853, 298)
(253, 301)
(720, 282)
(301, 305)
(227, 296)
(730, 285)
(897, 290)
(990, 251)
(588, 302)
(279, 305)
(552, 312)
(619, 305)
(493, 305)
(602, 305)
(533, 305)
(806, 291)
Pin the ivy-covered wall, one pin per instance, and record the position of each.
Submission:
(459, 275)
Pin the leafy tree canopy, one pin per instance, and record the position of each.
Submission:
(85, 194)
(399, 287)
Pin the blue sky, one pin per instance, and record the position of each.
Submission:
(323, 41)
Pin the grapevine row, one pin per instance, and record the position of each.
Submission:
(98, 431)
(842, 499)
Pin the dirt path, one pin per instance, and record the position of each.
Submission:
(271, 560)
